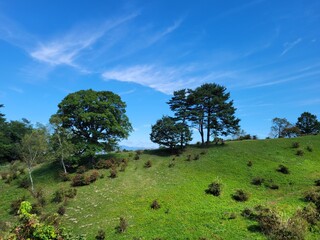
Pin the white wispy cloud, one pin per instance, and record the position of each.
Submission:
(15, 89)
(290, 45)
(162, 79)
(65, 49)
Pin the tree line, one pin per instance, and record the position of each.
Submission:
(307, 124)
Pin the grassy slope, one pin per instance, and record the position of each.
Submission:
(186, 211)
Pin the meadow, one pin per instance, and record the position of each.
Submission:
(178, 183)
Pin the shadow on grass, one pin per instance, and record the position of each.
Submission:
(254, 228)
(48, 173)
(163, 152)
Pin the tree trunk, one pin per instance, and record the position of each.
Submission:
(63, 165)
(202, 133)
(208, 128)
(30, 176)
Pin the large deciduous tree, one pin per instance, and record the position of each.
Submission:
(308, 123)
(167, 132)
(97, 120)
(278, 127)
(212, 112)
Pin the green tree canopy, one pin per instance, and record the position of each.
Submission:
(167, 132)
(308, 123)
(212, 112)
(97, 120)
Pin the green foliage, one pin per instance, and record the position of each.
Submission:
(300, 152)
(214, 189)
(101, 235)
(211, 109)
(240, 196)
(167, 132)
(257, 181)
(283, 169)
(295, 145)
(96, 119)
(308, 123)
(123, 225)
(155, 205)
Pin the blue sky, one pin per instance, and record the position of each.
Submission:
(266, 52)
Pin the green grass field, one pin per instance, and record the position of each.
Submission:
(186, 212)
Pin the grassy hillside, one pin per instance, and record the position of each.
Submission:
(186, 212)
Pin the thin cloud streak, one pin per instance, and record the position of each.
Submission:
(290, 45)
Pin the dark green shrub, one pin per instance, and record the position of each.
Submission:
(94, 176)
(283, 169)
(109, 163)
(80, 180)
(309, 149)
(171, 164)
(136, 157)
(61, 210)
(42, 201)
(148, 164)
(295, 145)
(189, 157)
(123, 225)
(196, 157)
(300, 152)
(274, 186)
(155, 205)
(100, 164)
(313, 196)
(71, 193)
(123, 167)
(309, 213)
(101, 235)
(240, 196)
(249, 164)
(139, 152)
(203, 152)
(257, 181)
(214, 189)
(81, 169)
(317, 182)
(64, 176)
(58, 195)
(113, 172)
(248, 213)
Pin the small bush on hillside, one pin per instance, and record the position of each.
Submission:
(248, 213)
(313, 196)
(123, 225)
(309, 149)
(64, 176)
(295, 145)
(101, 235)
(79, 180)
(196, 157)
(203, 152)
(94, 176)
(155, 205)
(171, 164)
(122, 167)
(113, 172)
(273, 186)
(38, 193)
(309, 213)
(283, 169)
(300, 152)
(257, 181)
(136, 157)
(100, 164)
(61, 210)
(81, 169)
(148, 164)
(58, 195)
(249, 164)
(317, 182)
(189, 157)
(240, 196)
(214, 189)
(71, 193)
